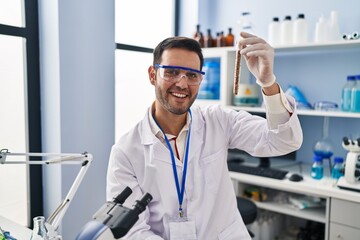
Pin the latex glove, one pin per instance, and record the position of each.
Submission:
(259, 57)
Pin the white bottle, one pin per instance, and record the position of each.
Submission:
(286, 31)
(334, 30)
(300, 32)
(321, 31)
(244, 24)
(274, 31)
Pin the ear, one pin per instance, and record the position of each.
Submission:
(152, 75)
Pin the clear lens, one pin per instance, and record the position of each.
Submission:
(175, 74)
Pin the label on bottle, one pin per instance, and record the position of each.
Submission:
(355, 100)
(346, 99)
(317, 172)
(337, 171)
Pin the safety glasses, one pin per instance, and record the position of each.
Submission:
(173, 74)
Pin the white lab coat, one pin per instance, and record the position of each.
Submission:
(142, 162)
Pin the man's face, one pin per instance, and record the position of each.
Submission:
(175, 97)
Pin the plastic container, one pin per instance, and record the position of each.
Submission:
(286, 31)
(244, 24)
(355, 96)
(338, 168)
(274, 31)
(346, 93)
(321, 31)
(300, 32)
(334, 30)
(317, 169)
(210, 85)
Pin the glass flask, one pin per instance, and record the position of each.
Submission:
(39, 231)
(324, 147)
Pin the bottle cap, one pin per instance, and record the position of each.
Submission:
(301, 15)
(350, 78)
(338, 160)
(317, 158)
(275, 19)
(287, 17)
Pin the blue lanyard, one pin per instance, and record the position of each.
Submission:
(180, 192)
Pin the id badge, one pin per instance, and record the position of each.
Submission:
(182, 229)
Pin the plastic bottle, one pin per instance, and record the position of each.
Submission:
(300, 32)
(334, 30)
(355, 96)
(317, 169)
(338, 168)
(244, 24)
(274, 29)
(230, 38)
(321, 31)
(286, 31)
(210, 85)
(346, 93)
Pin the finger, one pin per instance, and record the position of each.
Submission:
(256, 47)
(251, 41)
(258, 53)
(246, 35)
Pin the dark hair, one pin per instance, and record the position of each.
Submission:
(178, 42)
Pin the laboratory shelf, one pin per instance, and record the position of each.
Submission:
(313, 214)
(303, 48)
(303, 112)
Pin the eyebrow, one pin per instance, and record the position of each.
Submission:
(179, 67)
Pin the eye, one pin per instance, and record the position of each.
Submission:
(171, 72)
(191, 75)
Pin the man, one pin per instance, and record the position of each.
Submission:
(178, 152)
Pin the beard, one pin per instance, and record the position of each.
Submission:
(163, 98)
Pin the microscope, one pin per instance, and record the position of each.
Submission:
(351, 178)
(113, 220)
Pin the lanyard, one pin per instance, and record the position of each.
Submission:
(180, 191)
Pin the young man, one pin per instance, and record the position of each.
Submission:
(178, 152)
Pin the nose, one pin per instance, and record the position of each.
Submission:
(182, 81)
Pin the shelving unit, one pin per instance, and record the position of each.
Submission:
(334, 197)
(337, 201)
(227, 61)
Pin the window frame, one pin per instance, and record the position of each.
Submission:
(32, 81)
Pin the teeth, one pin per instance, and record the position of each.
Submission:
(179, 95)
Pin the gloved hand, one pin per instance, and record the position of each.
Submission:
(259, 57)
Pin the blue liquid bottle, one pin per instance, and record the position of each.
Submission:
(355, 96)
(317, 169)
(338, 168)
(346, 93)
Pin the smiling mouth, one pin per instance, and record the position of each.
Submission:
(179, 95)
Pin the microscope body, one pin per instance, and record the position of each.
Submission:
(114, 218)
(351, 179)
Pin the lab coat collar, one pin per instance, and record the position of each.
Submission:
(196, 139)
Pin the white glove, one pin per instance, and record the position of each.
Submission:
(267, 82)
(259, 56)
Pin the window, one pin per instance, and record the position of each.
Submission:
(136, 37)
(20, 108)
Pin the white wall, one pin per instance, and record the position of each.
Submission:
(77, 88)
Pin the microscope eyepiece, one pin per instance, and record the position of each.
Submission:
(122, 196)
(141, 204)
